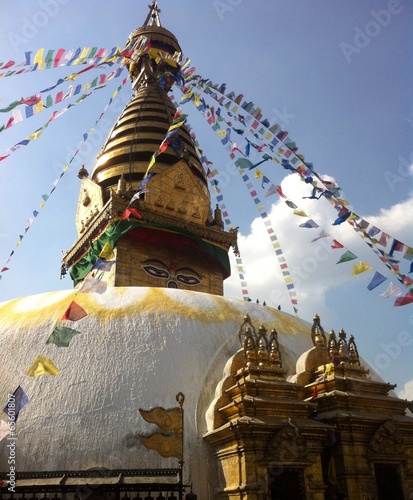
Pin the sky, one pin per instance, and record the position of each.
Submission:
(336, 75)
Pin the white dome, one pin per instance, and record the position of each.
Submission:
(138, 348)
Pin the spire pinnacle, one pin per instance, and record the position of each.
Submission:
(153, 15)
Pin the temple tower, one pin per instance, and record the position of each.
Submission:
(146, 204)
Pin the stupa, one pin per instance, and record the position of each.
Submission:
(146, 327)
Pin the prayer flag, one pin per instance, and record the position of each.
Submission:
(280, 192)
(131, 212)
(271, 190)
(107, 252)
(290, 204)
(104, 265)
(346, 257)
(61, 336)
(309, 224)
(342, 218)
(360, 268)
(322, 234)
(93, 285)
(402, 301)
(392, 291)
(74, 312)
(384, 238)
(15, 403)
(336, 244)
(42, 366)
(300, 213)
(376, 281)
(408, 254)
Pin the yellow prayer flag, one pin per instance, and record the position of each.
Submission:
(35, 135)
(360, 268)
(258, 173)
(107, 252)
(83, 54)
(38, 107)
(300, 213)
(38, 59)
(42, 366)
(222, 133)
(342, 202)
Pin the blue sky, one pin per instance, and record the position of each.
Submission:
(336, 75)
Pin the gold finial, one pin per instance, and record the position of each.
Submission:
(275, 355)
(317, 329)
(153, 15)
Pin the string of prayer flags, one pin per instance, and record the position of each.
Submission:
(291, 161)
(56, 114)
(16, 404)
(45, 197)
(61, 57)
(36, 104)
(62, 335)
(260, 207)
(177, 121)
(42, 366)
(224, 211)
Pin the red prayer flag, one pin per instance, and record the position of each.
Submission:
(4, 269)
(279, 191)
(31, 101)
(131, 212)
(336, 244)
(402, 301)
(74, 312)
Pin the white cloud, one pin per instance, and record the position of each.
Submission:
(313, 266)
(407, 391)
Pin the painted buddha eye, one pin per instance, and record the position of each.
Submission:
(156, 268)
(190, 278)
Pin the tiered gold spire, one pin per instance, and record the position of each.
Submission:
(144, 122)
(173, 239)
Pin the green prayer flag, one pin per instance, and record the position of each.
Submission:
(346, 257)
(61, 336)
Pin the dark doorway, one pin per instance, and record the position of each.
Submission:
(286, 484)
(388, 482)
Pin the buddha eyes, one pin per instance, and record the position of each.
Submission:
(185, 275)
(188, 280)
(156, 272)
